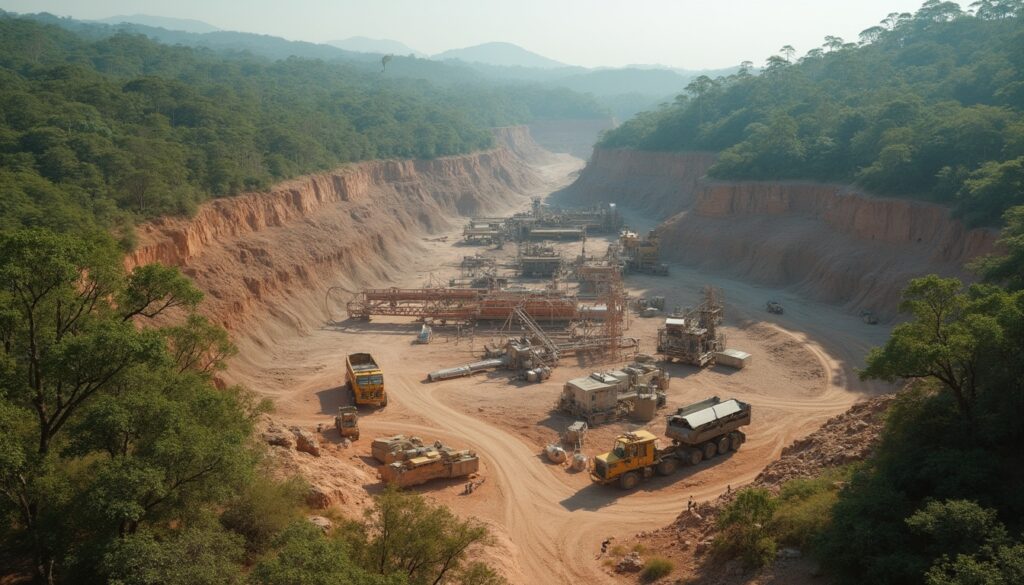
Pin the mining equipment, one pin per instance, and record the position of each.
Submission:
(699, 431)
(347, 422)
(484, 230)
(692, 337)
(868, 317)
(636, 390)
(366, 380)
(774, 307)
(642, 254)
(398, 448)
(440, 462)
(538, 260)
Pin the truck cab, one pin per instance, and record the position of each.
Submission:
(631, 456)
(366, 380)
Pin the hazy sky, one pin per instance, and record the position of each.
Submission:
(681, 33)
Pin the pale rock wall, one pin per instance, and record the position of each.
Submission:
(833, 243)
(272, 255)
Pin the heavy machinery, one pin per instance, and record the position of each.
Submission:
(637, 389)
(365, 379)
(398, 448)
(774, 307)
(692, 337)
(642, 254)
(440, 462)
(698, 431)
(347, 422)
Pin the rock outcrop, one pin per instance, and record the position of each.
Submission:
(829, 242)
(272, 255)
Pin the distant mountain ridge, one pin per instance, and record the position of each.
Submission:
(166, 22)
(501, 54)
(380, 46)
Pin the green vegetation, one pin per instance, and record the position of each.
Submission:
(744, 528)
(941, 497)
(655, 568)
(939, 502)
(120, 459)
(100, 132)
(804, 508)
(925, 105)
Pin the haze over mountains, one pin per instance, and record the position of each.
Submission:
(182, 24)
(380, 46)
(622, 92)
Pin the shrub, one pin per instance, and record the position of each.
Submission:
(805, 507)
(743, 529)
(263, 511)
(655, 568)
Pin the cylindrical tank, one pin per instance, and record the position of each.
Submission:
(555, 454)
(579, 462)
(531, 375)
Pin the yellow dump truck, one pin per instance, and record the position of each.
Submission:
(366, 380)
(698, 431)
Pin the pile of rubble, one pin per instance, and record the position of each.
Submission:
(296, 451)
(843, 439)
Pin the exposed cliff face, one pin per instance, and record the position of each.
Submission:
(357, 225)
(656, 183)
(829, 242)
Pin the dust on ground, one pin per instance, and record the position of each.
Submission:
(549, 522)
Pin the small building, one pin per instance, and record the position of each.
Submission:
(733, 358)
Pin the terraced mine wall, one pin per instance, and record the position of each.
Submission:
(833, 243)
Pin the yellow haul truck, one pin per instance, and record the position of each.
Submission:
(366, 380)
(698, 431)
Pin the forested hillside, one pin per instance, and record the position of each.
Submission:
(107, 130)
(926, 105)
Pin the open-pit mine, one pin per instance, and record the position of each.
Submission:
(509, 295)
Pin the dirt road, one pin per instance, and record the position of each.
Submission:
(549, 522)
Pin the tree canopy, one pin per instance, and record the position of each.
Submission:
(99, 131)
(926, 105)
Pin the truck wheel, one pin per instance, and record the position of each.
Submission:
(735, 440)
(709, 450)
(629, 481)
(693, 456)
(385, 402)
(667, 466)
(723, 444)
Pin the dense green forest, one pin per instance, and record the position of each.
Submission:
(940, 501)
(100, 132)
(925, 105)
(122, 462)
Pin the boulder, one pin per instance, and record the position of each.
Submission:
(631, 563)
(278, 438)
(324, 524)
(307, 442)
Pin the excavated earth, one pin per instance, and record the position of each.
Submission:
(278, 266)
(828, 242)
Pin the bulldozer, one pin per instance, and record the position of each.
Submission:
(347, 422)
(699, 431)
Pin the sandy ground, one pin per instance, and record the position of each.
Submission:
(547, 520)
